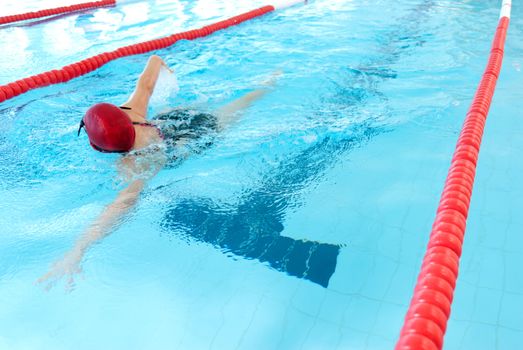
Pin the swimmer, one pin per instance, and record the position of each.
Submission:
(144, 145)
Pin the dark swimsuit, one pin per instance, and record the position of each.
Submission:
(195, 129)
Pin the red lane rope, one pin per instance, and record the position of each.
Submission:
(55, 11)
(74, 70)
(429, 310)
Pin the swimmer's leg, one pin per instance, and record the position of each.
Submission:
(231, 112)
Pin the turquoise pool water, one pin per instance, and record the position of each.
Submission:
(304, 225)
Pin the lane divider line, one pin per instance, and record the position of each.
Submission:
(90, 64)
(426, 319)
(56, 11)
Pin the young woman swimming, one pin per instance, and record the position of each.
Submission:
(146, 146)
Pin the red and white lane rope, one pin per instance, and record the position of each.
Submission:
(87, 65)
(429, 310)
(55, 11)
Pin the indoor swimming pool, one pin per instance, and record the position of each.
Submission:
(304, 224)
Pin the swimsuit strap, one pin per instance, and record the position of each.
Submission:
(130, 109)
(144, 123)
(152, 126)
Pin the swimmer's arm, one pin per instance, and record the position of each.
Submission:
(139, 99)
(107, 221)
(110, 218)
(113, 214)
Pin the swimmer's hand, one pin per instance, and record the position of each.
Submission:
(157, 58)
(164, 65)
(68, 266)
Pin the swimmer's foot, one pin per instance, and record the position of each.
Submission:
(271, 80)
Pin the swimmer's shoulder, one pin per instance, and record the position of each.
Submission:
(132, 113)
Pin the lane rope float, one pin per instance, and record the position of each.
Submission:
(90, 64)
(55, 11)
(426, 319)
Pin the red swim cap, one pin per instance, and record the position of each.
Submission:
(109, 128)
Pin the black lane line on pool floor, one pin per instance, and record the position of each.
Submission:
(252, 229)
